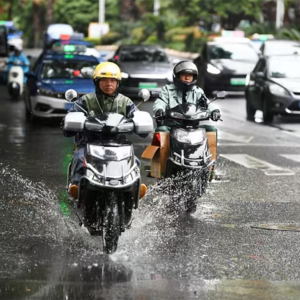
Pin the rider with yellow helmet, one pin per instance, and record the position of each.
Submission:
(106, 98)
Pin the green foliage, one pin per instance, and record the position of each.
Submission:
(289, 34)
(178, 33)
(110, 38)
(152, 40)
(265, 28)
(93, 41)
(138, 35)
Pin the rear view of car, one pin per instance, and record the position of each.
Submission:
(143, 67)
(224, 65)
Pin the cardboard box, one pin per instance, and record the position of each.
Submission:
(159, 151)
(212, 144)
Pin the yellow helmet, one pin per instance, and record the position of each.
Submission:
(107, 70)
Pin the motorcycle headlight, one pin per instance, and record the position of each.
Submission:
(190, 137)
(212, 69)
(278, 90)
(110, 153)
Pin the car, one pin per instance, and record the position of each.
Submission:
(69, 44)
(55, 31)
(224, 64)
(142, 67)
(279, 47)
(274, 87)
(51, 76)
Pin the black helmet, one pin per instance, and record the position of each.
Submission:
(186, 67)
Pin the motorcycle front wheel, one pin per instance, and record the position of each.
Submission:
(111, 229)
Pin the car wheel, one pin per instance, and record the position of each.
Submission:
(250, 110)
(268, 116)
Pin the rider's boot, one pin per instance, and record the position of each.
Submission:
(143, 190)
(73, 191)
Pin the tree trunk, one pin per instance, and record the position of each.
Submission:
(128, 10)
(36, 23)
(49, 12)
(10, 10)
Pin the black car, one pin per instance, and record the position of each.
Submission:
(225, 63)
(142, 67)
(274, 87)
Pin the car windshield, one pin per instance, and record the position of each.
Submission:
(68, 69)
(233, 51)
(284, 66)
(143, 55)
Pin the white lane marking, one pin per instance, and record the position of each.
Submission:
(251, 162)
(258, 145)
(222, 135)
(294, 157)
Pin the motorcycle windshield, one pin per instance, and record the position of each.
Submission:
(110, 119)
(188, 111)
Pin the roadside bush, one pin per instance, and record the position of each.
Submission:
(110, 38)
(138, 35)
(94, 41)
(193, 44)
(289, 34)
(178, 31)
(151, 40)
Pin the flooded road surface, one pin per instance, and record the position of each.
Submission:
(215, 253)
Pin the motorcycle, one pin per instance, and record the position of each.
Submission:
(190, 163)
(15, 80)
(110, 187)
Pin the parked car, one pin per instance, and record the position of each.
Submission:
(224, 64)
(143, 67)
(52, 75)
(274, 87)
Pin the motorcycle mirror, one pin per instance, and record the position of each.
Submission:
(144, 94)
(221, 95)
(71, 95)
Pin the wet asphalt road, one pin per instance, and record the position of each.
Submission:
(214, 253)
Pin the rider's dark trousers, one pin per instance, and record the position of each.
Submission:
(77, 165)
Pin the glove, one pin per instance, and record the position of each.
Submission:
(215, 115)
(159, 115)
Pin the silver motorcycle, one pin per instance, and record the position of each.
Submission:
(110, 187)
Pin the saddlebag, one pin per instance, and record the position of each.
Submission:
(159, 151)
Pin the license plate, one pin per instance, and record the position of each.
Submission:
(147, 85)
(69, 106)
(238, 81)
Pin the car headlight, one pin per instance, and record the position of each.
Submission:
(278, 90)
(170, 77)
(212, 69)
(49, 93)
(124, 75)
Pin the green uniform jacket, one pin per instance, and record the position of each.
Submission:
(170, 97)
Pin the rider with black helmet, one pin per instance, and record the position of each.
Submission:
(182, 90)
